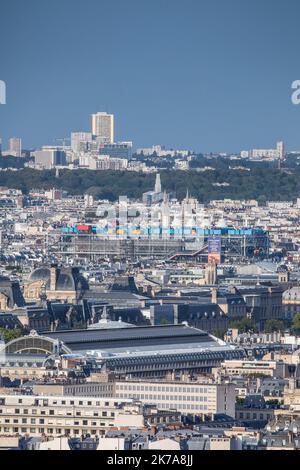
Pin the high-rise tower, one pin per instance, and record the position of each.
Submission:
(103, 127)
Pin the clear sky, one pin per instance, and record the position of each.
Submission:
(210, 75)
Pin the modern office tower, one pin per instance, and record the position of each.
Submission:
(281, 150)
(80, 141)
(15, 147)
(0, 146)
(48, 158)
(103, 127)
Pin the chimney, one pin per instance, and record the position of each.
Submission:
(214, 295)
(53, 278)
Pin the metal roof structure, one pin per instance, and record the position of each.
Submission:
(148, 335)
(157, 347)
(139, 350)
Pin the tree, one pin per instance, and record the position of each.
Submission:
(9, 335)
(244, 326)
(240, 400)
(296, 324)
(219, 333)
(274, 325)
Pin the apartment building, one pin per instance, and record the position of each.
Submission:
(72, 416)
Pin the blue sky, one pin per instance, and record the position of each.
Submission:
(210, 75)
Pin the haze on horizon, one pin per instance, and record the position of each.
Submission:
(208, 75)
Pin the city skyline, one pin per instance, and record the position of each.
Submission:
(149, 228)
(200, 77)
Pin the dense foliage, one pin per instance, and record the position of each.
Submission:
(245, 325)
(12, 162)
(9, 335)
(272, 326)
(296, 324)
(269, 184)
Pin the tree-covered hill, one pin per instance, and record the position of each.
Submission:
(266, 184)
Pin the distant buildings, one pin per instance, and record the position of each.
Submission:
(118, 150)
(102, 162)
(49, 157)
(162, 152)
(80, 141)
(265, 154)
(103, 127)
(15, 147)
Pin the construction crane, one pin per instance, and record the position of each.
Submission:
(63, 141)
